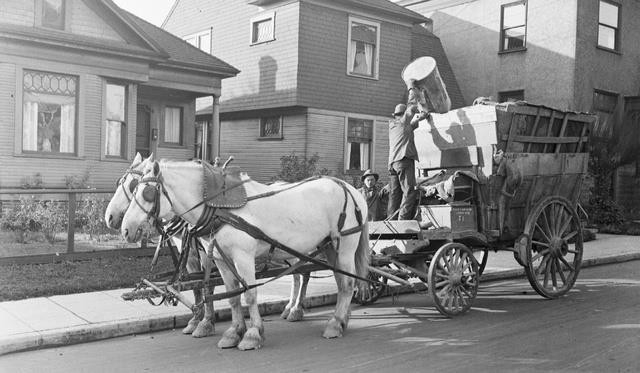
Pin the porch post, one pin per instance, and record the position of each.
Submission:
(215, 127)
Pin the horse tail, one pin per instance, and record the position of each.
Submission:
(363, 252)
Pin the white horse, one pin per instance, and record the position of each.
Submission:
(300, 218)
(201, 323)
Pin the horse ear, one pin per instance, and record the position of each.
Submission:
(151, 158)
(137, 159)
(156, 168)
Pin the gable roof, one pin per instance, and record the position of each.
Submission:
(385, 6)
(177, 52)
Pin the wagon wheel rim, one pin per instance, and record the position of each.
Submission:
(371, 291)
(554, 247)
(453, 279)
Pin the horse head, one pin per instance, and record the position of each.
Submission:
(124, 191)
(149, 204)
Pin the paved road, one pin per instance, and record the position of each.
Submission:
(595, 329)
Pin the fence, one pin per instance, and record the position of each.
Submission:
(72, 199)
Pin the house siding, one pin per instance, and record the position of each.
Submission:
(323, 79)
(268, 71)
(261, 158)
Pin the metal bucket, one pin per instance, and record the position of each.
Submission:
(422, 73)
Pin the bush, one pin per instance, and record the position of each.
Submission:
(90, 216)
(604, 211)
(33, 215)
(295, 168)
(51, 217)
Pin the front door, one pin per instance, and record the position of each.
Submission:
(143, 130)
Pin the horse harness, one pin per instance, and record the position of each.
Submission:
(213, 219)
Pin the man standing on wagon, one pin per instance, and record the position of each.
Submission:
(402, 157)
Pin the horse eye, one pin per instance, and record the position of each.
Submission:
(149, 193)
(133, 184)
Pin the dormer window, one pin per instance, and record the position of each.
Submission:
(53, 14)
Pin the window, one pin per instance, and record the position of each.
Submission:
(271, 127)
(263, 28)
(604, 106)
(506, 96)
(49, 112)
(513, 26)
(364, 38)
(172, 131)
(608, 25)
(53, 12)
(115, 123)
(200, 40)
(359, 143)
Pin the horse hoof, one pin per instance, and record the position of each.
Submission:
(296, 314)
(204, 329)
(229, 339)
(191, 326)
(334, 329)
(285, 312)
(252, 340)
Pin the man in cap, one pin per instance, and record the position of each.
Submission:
(375, 196)
(402, 157)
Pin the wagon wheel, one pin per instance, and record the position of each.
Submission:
(551, 265)
(453, 279)
(371, 291)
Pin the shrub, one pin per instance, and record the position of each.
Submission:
(77, 181)
(90, 216)
(604, 211)
(19, 218)
(51, 217)
(31, 182)
(295, 168)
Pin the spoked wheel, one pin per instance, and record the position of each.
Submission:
(371, 291)
(453, 279)
(554, 249)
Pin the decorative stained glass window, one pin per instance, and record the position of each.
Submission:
(271, 127)
(49, 112)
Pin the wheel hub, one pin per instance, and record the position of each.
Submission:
(558, 247)
(455, 278)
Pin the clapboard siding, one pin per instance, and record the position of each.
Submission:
(261, 158)
(324, 82)
(7, 108)
(268, 71)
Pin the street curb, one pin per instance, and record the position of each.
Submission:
(120, 328)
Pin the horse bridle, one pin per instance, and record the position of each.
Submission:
(151, 194)
(132, 185)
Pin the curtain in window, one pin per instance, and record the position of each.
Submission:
(113, 138)
(172, 124)
(30, 126)
(352, 56)
(67, 128)
(368, 57)
(364, 156)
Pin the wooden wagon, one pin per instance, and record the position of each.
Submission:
(492, 177)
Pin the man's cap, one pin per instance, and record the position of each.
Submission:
(400, 109)
(369, 173)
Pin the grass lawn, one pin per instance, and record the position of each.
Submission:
(38, 280)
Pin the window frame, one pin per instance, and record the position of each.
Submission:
(261, 18)
(124, 127)
(617, 29)
(261, 123)
(39, 16)
(613, 113)
(163, 142)
(19, 144)
(376, 59)
(501, 46)
(197, 36)
(510, 94)
(372, 142)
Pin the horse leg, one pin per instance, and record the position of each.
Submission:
(193, 265)
(295, 286)
(232, 336)
(345, 261)
(297, 311)
(254, 337)
(206, 326)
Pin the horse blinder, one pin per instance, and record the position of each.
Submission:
(149, 193)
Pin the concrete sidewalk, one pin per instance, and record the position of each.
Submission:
(66, 319)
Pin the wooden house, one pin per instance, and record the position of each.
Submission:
(317, 77)
(86, 85)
